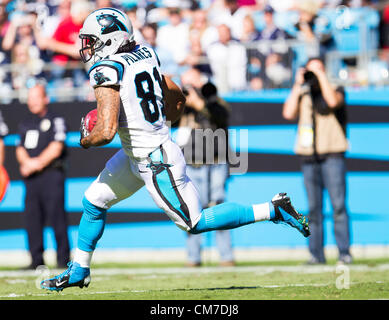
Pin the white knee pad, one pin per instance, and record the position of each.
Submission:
(115, 183)
(100, 193)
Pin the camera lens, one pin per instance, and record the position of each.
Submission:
(309, 76)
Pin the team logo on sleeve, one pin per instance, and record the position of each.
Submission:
(110, 23)
(100, 78)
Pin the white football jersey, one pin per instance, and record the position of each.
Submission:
(142, 121)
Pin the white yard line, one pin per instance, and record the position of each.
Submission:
(203, 270)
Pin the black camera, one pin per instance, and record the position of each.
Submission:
(318, 102)
(208, 90)
(310, 78)
(185, 91)
(312, 81)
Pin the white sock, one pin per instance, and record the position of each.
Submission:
(261, 211)
(83, 258)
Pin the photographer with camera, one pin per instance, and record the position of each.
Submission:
(321, 144)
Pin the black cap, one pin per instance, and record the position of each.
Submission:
(268, 9)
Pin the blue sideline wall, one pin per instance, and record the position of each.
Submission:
(272, 167)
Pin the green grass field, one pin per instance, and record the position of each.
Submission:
(365, 279)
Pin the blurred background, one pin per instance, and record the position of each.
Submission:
(268, 41)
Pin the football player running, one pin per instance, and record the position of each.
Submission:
(135, 100)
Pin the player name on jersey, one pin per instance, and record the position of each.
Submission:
(137, 55)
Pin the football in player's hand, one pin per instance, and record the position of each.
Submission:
(90, 120)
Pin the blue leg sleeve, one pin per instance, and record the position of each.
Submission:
(224, 216)
(91, 226)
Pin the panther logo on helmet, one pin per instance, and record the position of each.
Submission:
(110, 23)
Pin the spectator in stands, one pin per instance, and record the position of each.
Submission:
(255, 73)
(228, 60)
(168, 64)
(4, 25)
(321, 144)
(282, 5)
(197, 58)
(21, 31)
(255, 60)
(277, 74)
(231, 15)
(5, 57)
(311, 28)
(201, 36)
(252, 4)
(267, 68)
(65, 44)
(178, 30)
(41, 155)
(103, 4)
(50, 23)
(385, 27)
(249, 32)
(26, 66)
(21, 41)
(271, 31)
(132, 13)
(183, 5)
(200, 26)
(305, 25)
(207, 164)
(332, 4)
(151, 11)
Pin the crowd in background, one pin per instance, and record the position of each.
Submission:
(239, 44)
